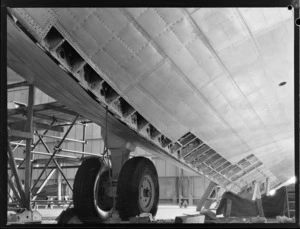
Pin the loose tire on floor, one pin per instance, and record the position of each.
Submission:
(138, 188)
(87, 209)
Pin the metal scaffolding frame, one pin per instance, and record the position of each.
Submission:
(36, 116)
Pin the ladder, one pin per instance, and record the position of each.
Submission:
(290, 201)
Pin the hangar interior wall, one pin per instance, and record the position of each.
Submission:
(173, 181)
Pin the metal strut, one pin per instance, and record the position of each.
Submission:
(14, 170)
(105, 149)
(105, 152)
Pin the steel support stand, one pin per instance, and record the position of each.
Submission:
(10, 197)
(56, 156)
(13, 188)
(257, 198)
(16, 147)
(35, 144)
(44, 183)
(78, 152)
(83, 138)
(28, 155)
(59, 138)
(14, 170)
(54, 167)
(206, 194)
(10, 193)
(55, 151)
(56, 163)
(58, 185)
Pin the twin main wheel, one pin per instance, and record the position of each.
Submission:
(90, 194)
(137, 190)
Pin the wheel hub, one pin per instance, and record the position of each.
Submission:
(146, 193)
(102, 201)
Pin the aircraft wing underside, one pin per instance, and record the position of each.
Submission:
(198, 86)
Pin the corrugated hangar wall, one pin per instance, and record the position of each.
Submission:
(192, 185)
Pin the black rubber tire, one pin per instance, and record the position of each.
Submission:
(129, 180)
(83, 190)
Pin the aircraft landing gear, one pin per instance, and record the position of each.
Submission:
(131, 186)
(138, 188)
